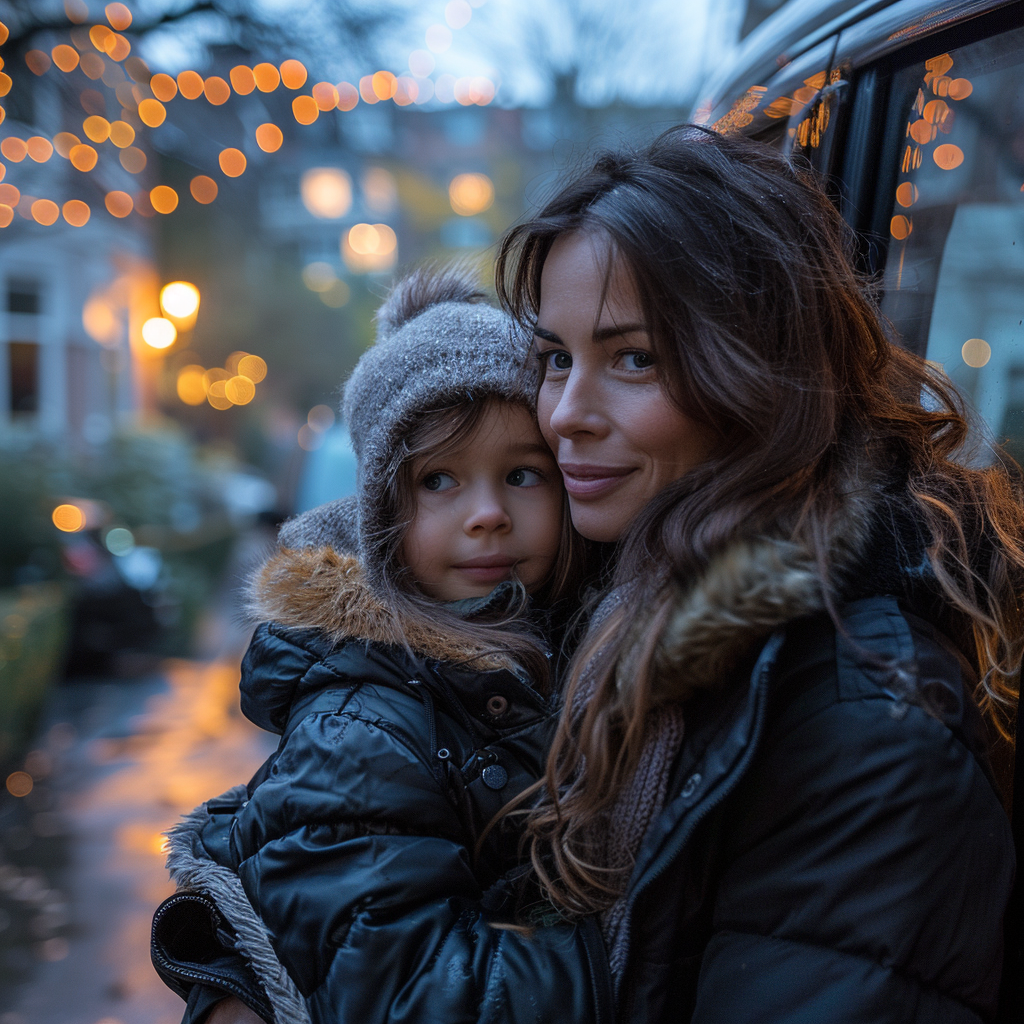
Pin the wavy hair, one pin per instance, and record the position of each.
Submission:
(763, 331)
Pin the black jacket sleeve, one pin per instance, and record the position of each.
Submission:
(350, 853)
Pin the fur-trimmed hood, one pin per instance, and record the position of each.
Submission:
(319, 588)
(755, 587)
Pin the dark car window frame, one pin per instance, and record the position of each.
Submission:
(866, 165)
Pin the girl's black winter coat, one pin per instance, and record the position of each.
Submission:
(833, 847)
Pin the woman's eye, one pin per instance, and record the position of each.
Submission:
(555, 359)
(638, 360)
(439, 482)
(524, 478)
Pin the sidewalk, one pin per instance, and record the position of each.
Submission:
(81, 855)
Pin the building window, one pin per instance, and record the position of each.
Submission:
(23, 364)
(23, 297)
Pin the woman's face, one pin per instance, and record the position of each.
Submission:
(616, 434)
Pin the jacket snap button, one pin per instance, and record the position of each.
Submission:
(691, 785)
(497, 705)
(494, 776)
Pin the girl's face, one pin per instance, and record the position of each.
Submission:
(488, 511)
(618, 437)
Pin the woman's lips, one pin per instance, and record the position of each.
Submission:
(586, 482)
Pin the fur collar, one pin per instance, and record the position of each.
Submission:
(318, 588)
(747, 592)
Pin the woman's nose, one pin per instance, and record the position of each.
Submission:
(576, 410)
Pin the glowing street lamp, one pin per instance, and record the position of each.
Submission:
(159, 333)
(179, 301)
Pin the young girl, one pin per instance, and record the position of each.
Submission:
(399, 660)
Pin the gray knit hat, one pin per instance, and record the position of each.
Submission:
(438, 344)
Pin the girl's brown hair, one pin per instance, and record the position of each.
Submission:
(763, 331)
(509, 635)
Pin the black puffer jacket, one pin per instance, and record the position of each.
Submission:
(833, 847)
(390, 767)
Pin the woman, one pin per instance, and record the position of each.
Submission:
(770, 788)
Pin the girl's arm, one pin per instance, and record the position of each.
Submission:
(351, 854)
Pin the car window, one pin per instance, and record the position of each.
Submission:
(954, 275)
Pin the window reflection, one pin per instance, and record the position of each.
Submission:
(954, 278)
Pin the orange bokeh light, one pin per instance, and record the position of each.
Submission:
(293, 74)
(122, 134)
(217, 91)
(190, 387)
(152, 113)
(6, 215)
(190, 85)
(96, 128)
(164, 87)
(252, 367)
(83, 158)
(305, 110)
(9, 195)
(948, 156)
(242, 80)
(39, 149)
(960, 89)
(14, 149)
(38, 62)
(366, 92)
(98, 36)
(118, 15)
(239, 390)
(65, 57)
(325, 95)
(92, 65)
(900, 227)
(133, 160)
(348, 96)
(232, 162)
(118, 204)
(5, 83)
(68, 518)
(906, 194)
(45, 212)
(76, 213)
(384, 85)
(164, 199)
(267, 77)
(203, 189)
(117, 47)
(269, 138)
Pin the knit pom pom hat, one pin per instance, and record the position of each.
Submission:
(439, 344)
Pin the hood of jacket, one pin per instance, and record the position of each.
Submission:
(754, 587)
(322, 589)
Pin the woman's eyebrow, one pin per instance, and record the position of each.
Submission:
(600, 333)
(547, 335)
(618, 331)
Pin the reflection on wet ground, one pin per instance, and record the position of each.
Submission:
(81, 853)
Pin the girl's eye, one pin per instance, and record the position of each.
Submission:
(555, 359)
(524, 478)
(638, 360)
(439, 482)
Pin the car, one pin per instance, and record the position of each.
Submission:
(912, 113)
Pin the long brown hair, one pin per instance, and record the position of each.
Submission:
(763, 330)
(510, 635)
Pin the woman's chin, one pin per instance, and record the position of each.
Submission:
(595, 522)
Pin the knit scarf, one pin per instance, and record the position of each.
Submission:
(615, 840)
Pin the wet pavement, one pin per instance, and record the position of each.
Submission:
(81, 854)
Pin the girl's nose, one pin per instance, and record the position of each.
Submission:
(487, 512)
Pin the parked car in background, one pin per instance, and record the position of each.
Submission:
(914, 113)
